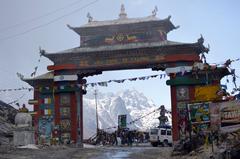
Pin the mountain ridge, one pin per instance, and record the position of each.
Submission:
(130, 102)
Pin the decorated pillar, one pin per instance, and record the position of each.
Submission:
(79, 98)
(174, 113)
(65, 107)
(190, 91)
(180, 96)
(36, 115)
(68, 92)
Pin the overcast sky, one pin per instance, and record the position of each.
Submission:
(218, 22)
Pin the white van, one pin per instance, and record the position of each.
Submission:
(160, 136)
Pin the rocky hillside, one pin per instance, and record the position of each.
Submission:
(7, 115)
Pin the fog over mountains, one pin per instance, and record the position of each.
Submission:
(130, 102)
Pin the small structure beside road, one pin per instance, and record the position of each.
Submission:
(24, 132)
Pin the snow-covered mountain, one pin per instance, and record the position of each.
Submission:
(130, 102)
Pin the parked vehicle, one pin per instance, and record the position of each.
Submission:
(161, 136)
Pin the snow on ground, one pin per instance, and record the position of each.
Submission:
(29, 146)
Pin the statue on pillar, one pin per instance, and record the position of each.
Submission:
(23, 109)
(163, 119)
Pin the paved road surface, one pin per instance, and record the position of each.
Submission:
(135, 153)
(91, 152)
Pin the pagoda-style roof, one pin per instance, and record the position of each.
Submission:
(125, 43)
(118, 48)
(123, 30)
(127, 56)
(124, 20)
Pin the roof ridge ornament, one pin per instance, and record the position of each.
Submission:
(90, 18)
(123, 14)
(203, 49)
(69, 26)
(201, 39)
(154, 12)
(41, 51)
(20, 76)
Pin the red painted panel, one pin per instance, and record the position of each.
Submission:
(57, 108)
(73, 117)
(36, 106)
(182, 57)
(81, 115)
(61, 67)
(191, 93)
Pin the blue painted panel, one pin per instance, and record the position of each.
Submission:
(45, 127)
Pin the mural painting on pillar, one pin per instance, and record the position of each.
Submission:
(65, 125)
(46, 122)
(65, 99)
(182, 120)
(65, 112)
(65, 117)
(182, 93)
(207, 93)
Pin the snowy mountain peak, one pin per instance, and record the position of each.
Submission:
(130, 102)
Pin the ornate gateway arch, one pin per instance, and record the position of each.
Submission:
(123, 43)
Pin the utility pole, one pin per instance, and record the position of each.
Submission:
(95, 94)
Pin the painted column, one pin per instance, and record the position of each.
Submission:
(73, 117)
(56, 108)
(182, 93)
(79, 120)
(66, 107)
(174, 114)
(79, 98)
(37, 113)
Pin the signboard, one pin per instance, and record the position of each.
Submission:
(121, 60)
(199, 116)
(207, 93)
(122, 121)
(65, 78)
(199, 112)
(32, 101)
(230, 116)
